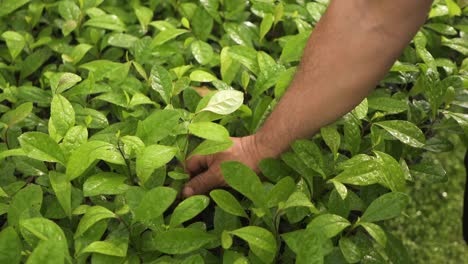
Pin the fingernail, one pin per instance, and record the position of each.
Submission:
(188, 191)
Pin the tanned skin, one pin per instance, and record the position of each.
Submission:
(351, 48)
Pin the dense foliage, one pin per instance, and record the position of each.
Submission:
(103, 101)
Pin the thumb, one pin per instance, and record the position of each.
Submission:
(202, 183)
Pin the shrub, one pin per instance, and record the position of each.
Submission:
(103, 101)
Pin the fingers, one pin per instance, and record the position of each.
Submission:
(203, 183)
(195, 164)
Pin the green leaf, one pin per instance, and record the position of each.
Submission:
(280, 192)
(182, 240)
(340, 188)
(166, 35)
(105, 183)
(44, 229)
(209, 130)
(376, 232)
(157, 126)
(429, 172)
(299, 199)
(15, 42)
(151, 158)
(453, 8)
(188, 209)
(385, 207)
(40, 146)
(202, 23)
(110, 22)
(242, 179)
(229, 67)
(350, 250)
(17, 115)
(388, 105)
(89, 152)
(245, 56)
(34, 61)
(107, 69)
(265, 26)
(10, 246)
(202, 51)
(332, 138)
(116, 244)
(47, 252)
(122, 40)
(209, 147)
(362, 173)
(226, 201)
(309, 245)
(330, 224)
(224, 102)
(406, 132)
(149, 210)
(294, 47)
(261, 242)
(310, 154)
(62, 81)
(62, 189)
(161, 82)
(394, 176)
(92, 216)
(62, 116)
(144, 15)
(202, 76)
(25, 204)
(9, 6)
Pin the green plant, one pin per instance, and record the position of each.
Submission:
(102, 106)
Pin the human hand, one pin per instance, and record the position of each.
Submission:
(205, 170)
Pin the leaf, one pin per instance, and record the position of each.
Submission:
(245, 56)
(310, 154)
(202, 52)
(161, 82)
(35, 60)
(299, 199)
(202, 23)
(394, 176)
(62, 189)
(429, 172)
(209, 147)
(376, 232)
(9, 6)
(281, 192)
(224, 102)
(362, 173)
(166, 35)
(44, 229)
(113, 71)
(340, 188)
(10, 246)
(406, 132)
(229, 67)
(261, 242)
(151, 158)
(294, 47)
(350, 250)
(93, 215)
(266, 24)
(122, 40)
(47, 252)
(332, 138)
(62, 81)
(17, 115)
(110, 22)
(226, 201)
(385, 207)
(105, 183)
(202, 76)
(242, 179)
(453, 8)
(15, 42)
(25, 204)
(89, 152)
(209, 130)
(40, 146)
(182, 240)
(157, 126)
(388, 105)
(116, 244)
(62, 116)
(330, 224)
(188, 209)
(148, 210)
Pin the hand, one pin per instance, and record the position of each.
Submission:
(206, 171)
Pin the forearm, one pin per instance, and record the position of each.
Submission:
(350, 50)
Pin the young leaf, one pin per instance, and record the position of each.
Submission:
(62, 115)
(17, 115)
(110, 22)
(387, 206)
(188, 209)
(151, 158)
(266, 24)
(226, 201)
(105, 183)
(161, 82)
(224, 102)
(157, 126)
(116, 244)
(202, 76)
(92, 216)
(166, 35)
(332, 138)
(242, 179)
(280, 192)
(261, 242)
(376, 232)
(202, 52)
(330, 224)
(62, 81)
(15, 42)
(209, 130)
(40, 146)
